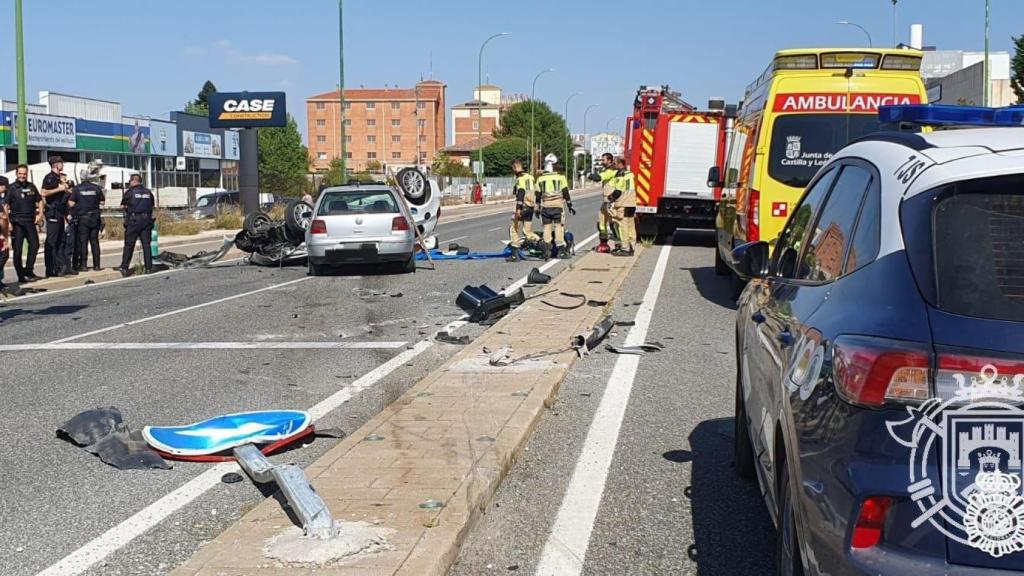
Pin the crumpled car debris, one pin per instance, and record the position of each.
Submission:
(103, 432)
(167, 259)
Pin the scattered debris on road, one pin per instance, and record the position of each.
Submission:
(103, 432)
(538, 277)
(500, 357)
(581, 297)
(167, 260)
(584, 343)
(447, 338)
(637, 350)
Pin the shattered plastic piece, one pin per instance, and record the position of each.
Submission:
(447, 338)
(198, 260)
(482, 303)
(626, 323)
(231, 478)
(373, 438)
(646, 347)
(432, 504)
(330, 433)
(538, 277)
(597, 303)
(103, 432)
(500, 357)
(583, 344)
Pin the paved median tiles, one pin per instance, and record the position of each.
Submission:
(407, 486)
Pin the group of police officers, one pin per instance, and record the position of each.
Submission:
(71, 217)
(550, 193)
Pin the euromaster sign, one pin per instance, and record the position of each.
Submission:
(247, 110)
(48, 131)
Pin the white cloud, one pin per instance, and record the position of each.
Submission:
(262, 58)
(194, 51)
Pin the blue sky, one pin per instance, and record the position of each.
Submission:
(153, 56)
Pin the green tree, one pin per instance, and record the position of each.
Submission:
(550, 131)
(284, 161)
(498, 157)
(201, 105)
(333, 175)
(444, 166)
(373, 166)
(1017, 66)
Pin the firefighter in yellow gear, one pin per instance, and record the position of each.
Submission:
(554, 195)
(607, 176)
(522, 220)
(623, 208)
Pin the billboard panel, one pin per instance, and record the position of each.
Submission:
(231, 147)
(247, 110)
(201, 145)
(164, 138)
(47, 131)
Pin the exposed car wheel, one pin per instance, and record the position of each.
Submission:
(297, 217)
(743, 451)
(255, 221)
(414, 185)
(721, 268)
(788, 561)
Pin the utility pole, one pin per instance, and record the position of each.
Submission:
(341, 89)
(480, 102)
(568, 136)
(533, 108)
(22, 122)
(586, 139)
(895, 42)
(988, 64)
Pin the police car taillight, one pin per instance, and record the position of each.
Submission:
(870, 371)
(867, 531)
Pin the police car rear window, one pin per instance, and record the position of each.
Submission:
(803, 143)
(978, 248)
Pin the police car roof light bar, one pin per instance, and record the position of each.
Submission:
(947, 115)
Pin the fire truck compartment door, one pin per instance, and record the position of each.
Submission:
(692, 149)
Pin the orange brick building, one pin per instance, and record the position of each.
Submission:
(389, 125)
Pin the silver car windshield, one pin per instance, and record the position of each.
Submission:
(358, 202)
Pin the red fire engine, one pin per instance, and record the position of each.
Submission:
(670, 145)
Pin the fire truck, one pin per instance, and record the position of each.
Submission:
(670, 146)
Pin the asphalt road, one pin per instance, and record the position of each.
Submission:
(143, 346)
(671, 503)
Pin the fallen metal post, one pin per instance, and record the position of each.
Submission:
(305, 502)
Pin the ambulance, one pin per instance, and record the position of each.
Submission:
(806, 105)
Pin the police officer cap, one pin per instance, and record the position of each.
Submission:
(55, 159)
(4, 181)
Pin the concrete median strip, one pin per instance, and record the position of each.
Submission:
(421, 471)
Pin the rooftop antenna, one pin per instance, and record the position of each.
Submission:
(431, 65)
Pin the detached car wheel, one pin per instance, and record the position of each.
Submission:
(255, 221)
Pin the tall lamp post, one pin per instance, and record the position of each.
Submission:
(533, 109)
(988, 72)
(479, 101)
(22, 127)
(894, 34)
(862, 29)
(568, 137)
(585, 133)
(341, 90)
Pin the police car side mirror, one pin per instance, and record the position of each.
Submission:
(751, 259)
(714, 177)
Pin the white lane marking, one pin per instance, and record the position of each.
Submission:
(179, 311)
(121, 535)
(203, 346)
(567, 543)
(456, 238)
(495, 229)
(114, 281)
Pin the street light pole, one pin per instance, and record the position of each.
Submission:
(479, 101)
(533, 109)
(568, 138)
(341, 90)
(894, 34)
(19, 42)
(862, 29)
(988, 67)
(585, 134)
(606, 123)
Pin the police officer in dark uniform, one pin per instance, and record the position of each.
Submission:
(69, 248)
(86, 200)
(138, 223)
(24, 206)
(55, 192)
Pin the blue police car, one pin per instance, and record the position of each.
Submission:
(880, 354)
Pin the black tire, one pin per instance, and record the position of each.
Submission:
(743, 450)
(297, 216)
(721, 268)
(408, 266)
(738, 284)
(788, 560)
(243, 242)
(315, 269)
(255, 221)
(414, 186)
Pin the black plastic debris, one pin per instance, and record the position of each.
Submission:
(231, 478)
(482, 303)
(583, 344)
(538, 277)
(447, 338)
(582, 299)
(597, 303)
(103, 432)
